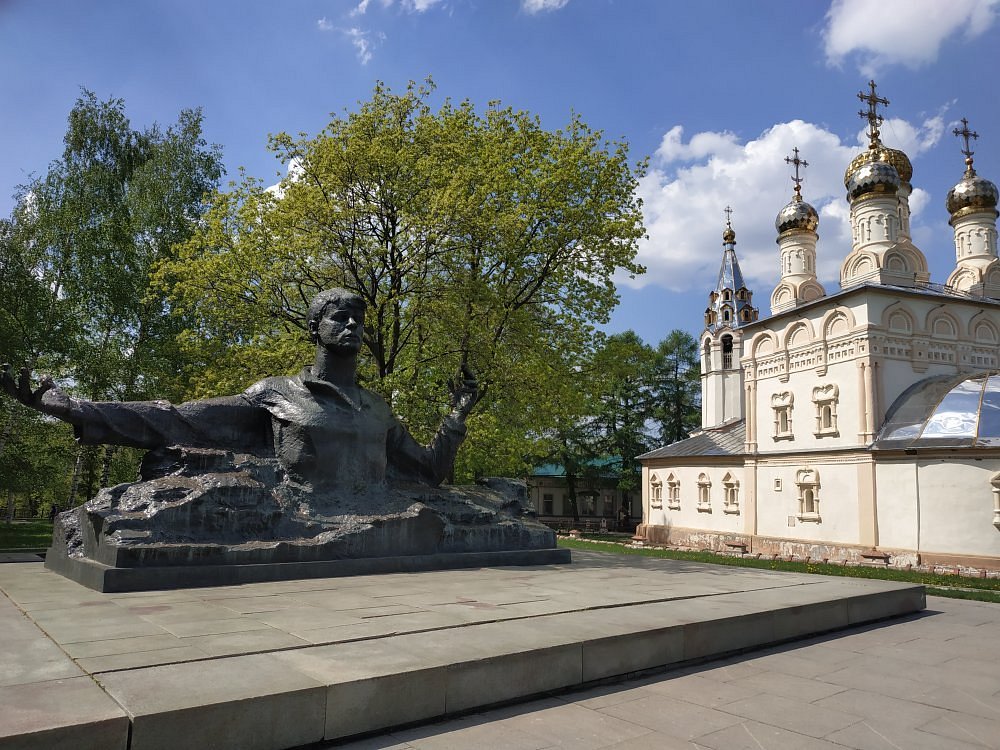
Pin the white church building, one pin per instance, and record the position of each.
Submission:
(862, 424)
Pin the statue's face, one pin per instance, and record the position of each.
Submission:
(340, 327)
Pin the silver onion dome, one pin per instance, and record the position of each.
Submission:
(797, 215)
(872, 178)
(973, 193)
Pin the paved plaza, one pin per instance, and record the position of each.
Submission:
(293, 663)
(925, 681)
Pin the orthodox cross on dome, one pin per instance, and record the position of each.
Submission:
(797, 179)
(872, 115)
(729, 216)
(965, 134)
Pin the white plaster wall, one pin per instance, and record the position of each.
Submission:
(897, 504)
(733, 394)
(689, 516)
(956, 506)
(838, 501)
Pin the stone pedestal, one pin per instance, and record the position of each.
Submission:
(209, 517)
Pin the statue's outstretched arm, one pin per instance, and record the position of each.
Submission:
(48, 398)
(229, 422)
(433, 463)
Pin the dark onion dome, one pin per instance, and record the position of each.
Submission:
(797, 215)
(873, 177)
(973, 192)
(893, 156)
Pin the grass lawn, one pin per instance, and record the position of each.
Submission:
(25, 535)
(956, 587)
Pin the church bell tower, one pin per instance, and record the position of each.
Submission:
(729, 309)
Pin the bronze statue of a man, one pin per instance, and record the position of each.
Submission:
(327, 432)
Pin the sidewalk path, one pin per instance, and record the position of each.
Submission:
(930, 681)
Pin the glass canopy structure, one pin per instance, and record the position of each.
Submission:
(949, 411)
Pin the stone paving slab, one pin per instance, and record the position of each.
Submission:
(749, 702)
(284, 664)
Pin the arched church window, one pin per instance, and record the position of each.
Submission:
(655, 492)
(807, 480)
(730, 494)
(673, 493)
(781, 404)
(727, 352)
(825, 398)
(704, 493)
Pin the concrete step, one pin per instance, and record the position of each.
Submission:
(442, 643)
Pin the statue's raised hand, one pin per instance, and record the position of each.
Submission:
(48, 398)
(464, 391)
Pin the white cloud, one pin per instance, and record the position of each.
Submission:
(419, 6)
(360, 9)
(411, 6)
(542, 6)
(690, 183)
(879, 33)
(363, 42)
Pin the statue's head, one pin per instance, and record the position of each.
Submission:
(329, 301)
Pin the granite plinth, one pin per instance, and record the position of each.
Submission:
(106, 578)
(283, 664)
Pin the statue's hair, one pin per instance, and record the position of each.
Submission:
(337, 296)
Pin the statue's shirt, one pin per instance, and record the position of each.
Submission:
(321, 436)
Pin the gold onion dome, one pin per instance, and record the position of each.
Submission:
(729, 235)
(872, 177)
(797, 215)
(893, 156)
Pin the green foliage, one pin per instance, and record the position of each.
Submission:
(102, 216)
(677, 385)
(475, 238)
(75, 294)
(614, 401)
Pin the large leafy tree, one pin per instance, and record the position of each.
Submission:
(81, 246)
(101, 217)
(475, 238)
(623, 398)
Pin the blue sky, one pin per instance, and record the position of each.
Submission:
(716, 94)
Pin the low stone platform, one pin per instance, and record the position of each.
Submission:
(107, 579)
(284, 664)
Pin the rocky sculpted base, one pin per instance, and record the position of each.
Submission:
(204, 517)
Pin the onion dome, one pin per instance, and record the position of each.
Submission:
(972, 192)
(729, 235)
(797, 215)
(873, 177)
(893, 156)
(879, 170)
